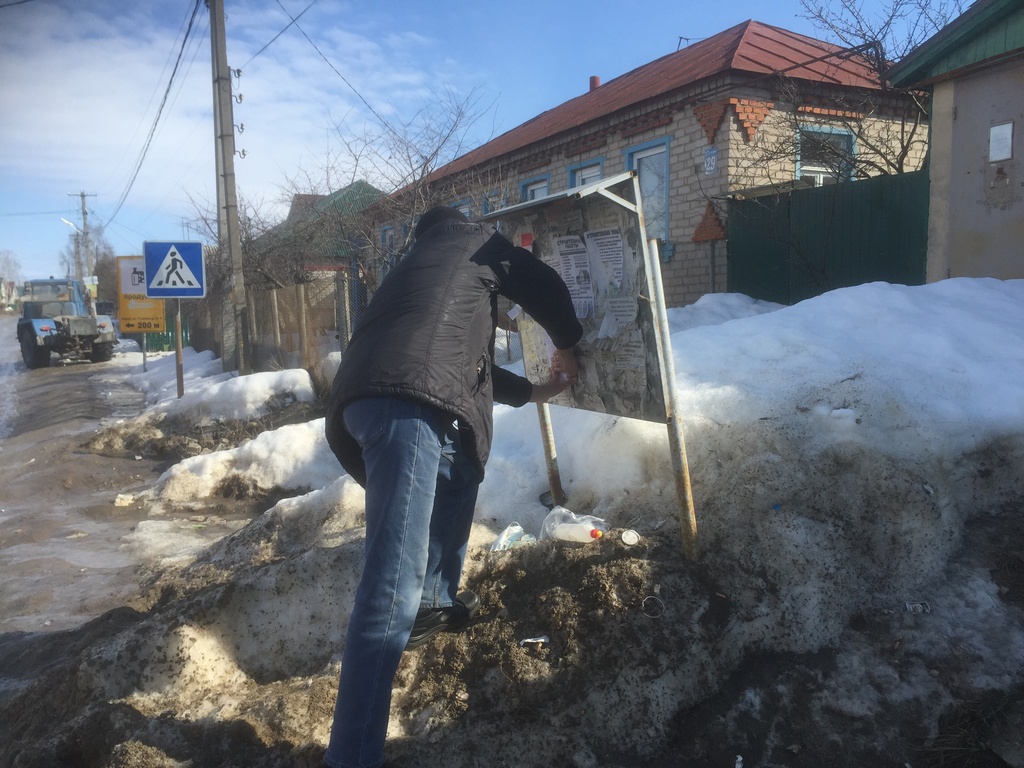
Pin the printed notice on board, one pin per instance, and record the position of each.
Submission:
(605, 247)
(629, 354)
(574, 267)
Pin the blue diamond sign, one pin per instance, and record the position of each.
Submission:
(174, 270)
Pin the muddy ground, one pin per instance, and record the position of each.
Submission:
(617, 619)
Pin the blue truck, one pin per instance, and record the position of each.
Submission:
(58, 317)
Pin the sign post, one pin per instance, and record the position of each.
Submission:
(136, 312)
(175, 270)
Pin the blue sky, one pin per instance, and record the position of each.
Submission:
(81, 84)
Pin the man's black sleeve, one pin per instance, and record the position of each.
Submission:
(542, 294)
(511, 389)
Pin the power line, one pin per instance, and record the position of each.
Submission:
(115, 171)
(17, 2)
(293, 21)
(160, 109)
(383, 122)
(32, 213)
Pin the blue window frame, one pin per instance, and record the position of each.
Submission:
(651, 161)
(465, 207)
(387, 239)
(492, 201)
(586, 172)
(538, 186)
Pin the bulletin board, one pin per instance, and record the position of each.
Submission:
(594, 238)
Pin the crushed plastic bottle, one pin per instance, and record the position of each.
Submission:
(566, 525)
(513, 536)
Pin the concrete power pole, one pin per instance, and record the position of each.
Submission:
(86, 249)
(78, 255)
(235, 358)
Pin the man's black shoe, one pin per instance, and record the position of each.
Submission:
(430, 621)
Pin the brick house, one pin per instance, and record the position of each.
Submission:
(753, 107)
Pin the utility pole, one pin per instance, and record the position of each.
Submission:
(227, 202)
(86, 245)
(78, 255)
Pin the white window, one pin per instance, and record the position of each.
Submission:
(534, 189)
(825, 156)
(651, 164)
(587, 174)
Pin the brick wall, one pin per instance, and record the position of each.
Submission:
(752, 130)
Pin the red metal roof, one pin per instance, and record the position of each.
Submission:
(750, 48)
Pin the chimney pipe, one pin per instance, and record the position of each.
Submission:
(595, 82)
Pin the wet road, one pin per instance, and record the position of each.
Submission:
(61, 561)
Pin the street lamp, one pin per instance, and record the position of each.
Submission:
(78, 249)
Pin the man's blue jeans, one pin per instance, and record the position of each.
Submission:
(420, 494)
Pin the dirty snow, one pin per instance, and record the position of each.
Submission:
(841, 451)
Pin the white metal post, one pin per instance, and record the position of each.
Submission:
(677, 445)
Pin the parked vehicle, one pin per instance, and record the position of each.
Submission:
(58, 317)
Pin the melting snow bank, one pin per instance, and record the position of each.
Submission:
(227, 396)
(261, 463)
(856, 468)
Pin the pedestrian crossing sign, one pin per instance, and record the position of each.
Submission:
(174, 270)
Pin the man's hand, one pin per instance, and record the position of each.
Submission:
(564, 374)
(563, 363)
(544, 392)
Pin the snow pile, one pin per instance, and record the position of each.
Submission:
(292, 458)
(836, 447)
(209, 394)
(843, 452)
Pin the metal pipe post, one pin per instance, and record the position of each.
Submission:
(550, 455)
(677, 445)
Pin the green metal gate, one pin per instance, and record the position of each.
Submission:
(791, 246)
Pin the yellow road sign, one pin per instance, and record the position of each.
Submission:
(137, 312)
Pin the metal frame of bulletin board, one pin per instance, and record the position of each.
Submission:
(595, 237)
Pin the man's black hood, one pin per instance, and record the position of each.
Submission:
(435, 216)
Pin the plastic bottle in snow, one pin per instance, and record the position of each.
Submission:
(576, 532)
(566, 525)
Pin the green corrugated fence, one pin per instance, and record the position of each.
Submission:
(794, 245)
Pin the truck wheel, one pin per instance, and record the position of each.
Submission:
(101, 352)
(34, 357)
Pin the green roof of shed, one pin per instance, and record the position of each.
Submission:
(988, 32)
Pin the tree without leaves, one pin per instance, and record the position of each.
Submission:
(259, 267)
(10, 267)
(10, 277)
(895, 29)
(888, 126)
(883, 37)
(73, 257)
(843, 134)
(406, 160)
(335, 219)
(252, 222)
(107, 288)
